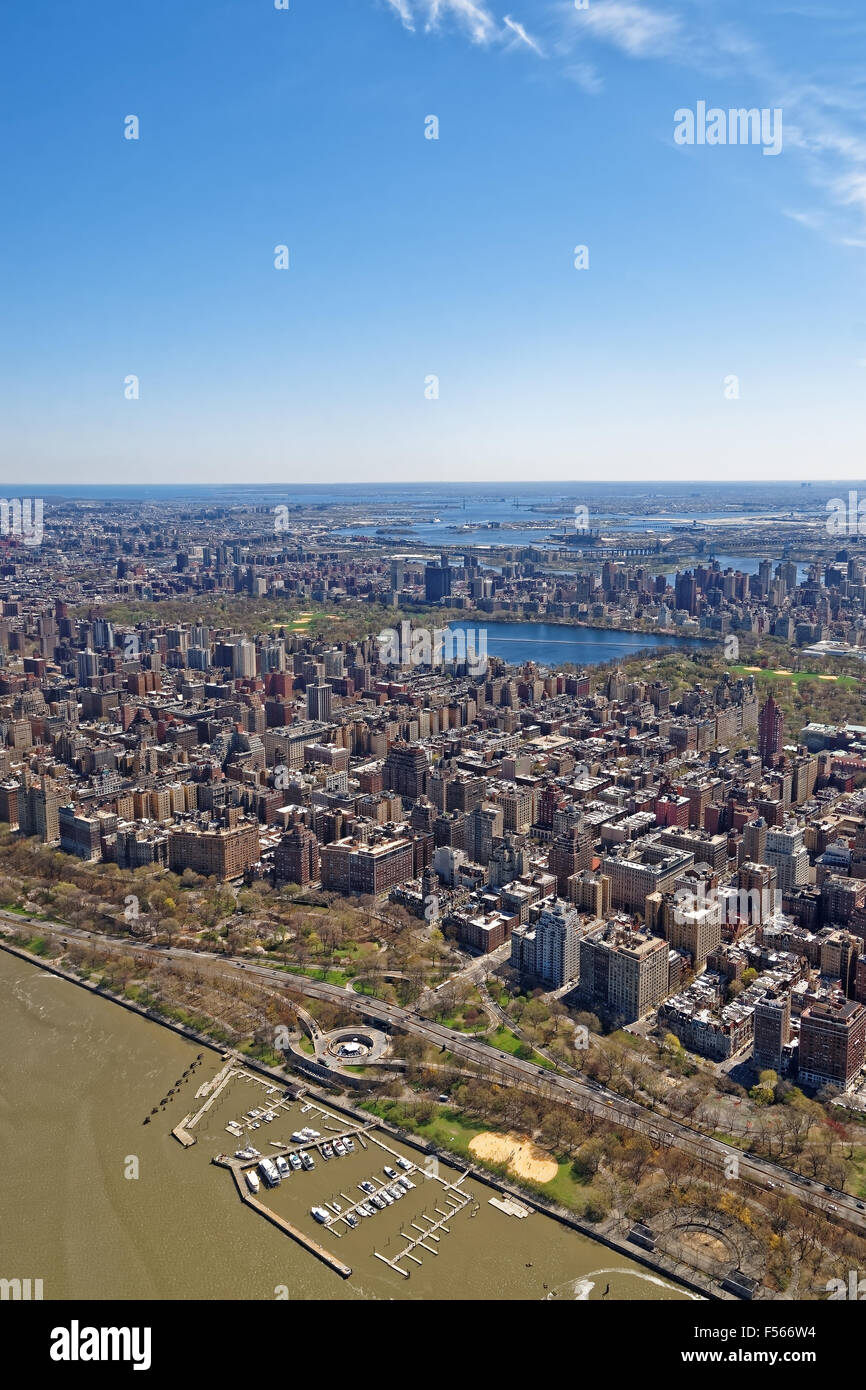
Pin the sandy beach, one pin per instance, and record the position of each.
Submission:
(523, 1157)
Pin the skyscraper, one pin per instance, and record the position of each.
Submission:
(437, 580)
(319, 702)
(770, 724)
(296, 858)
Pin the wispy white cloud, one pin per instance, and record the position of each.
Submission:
(473, 17)
(635, 29)
(813, 220)
(403, 10)
(585, 76)
(522, 35)
(824, 119)
(480, 24)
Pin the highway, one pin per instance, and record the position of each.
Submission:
(580, 1092)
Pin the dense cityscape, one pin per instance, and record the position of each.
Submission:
(432, 678)
(637, 885)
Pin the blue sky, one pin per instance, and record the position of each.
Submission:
(412, 257)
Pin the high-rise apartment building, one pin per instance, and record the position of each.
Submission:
(319, 702)
(623, 971)
(787, 854)
(437, 580)
(549, 950)
(832, 1043)
(770, 730)
(405, 770)
(772, 1031)
(296, 857)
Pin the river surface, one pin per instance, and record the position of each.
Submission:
(80, 1074)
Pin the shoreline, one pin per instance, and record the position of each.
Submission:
(659, 1264)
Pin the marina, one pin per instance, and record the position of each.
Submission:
(183, 1231)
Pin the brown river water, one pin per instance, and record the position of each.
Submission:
(77, 1078)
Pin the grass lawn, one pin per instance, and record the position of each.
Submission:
(457, 1017)
(450, 1130)
(506, 1041)
(797, 676)
(446, 1127)
(331, 977)
(629, 1040)
(458, 1022)
(858, 1173)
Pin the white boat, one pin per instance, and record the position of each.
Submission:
(389, 1172)
(282, 1166)
(405, 1164)
(320, 1214)
(294, 1161)
(269, 1172)
(252, 1180)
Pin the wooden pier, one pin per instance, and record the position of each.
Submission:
(182, 1135)
(280, 1222)
(455, 1199)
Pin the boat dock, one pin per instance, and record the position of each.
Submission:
(182, 1135)
(213, 1089)
(510, 1206)
(455, 1199)
(306, 1241)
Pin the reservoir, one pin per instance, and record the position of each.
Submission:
(79, 1076)
(552, 644)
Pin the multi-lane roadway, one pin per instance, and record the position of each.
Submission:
(581, 1092)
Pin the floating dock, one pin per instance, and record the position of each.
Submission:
(510, 1206)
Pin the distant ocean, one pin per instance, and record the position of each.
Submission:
(503, 498)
